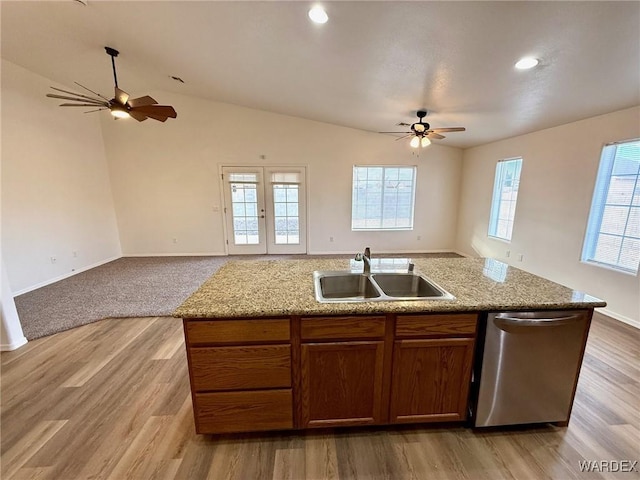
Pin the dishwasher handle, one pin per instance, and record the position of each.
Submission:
(507, 320)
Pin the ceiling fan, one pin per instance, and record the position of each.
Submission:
(422, 132)
(121, 106)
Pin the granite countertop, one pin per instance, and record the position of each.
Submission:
(249, 288)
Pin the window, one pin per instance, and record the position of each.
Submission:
(505, 195)
(383, 198)
(613, 230)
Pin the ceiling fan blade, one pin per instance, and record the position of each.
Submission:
(395, 132)
(449, 129)
(89, 90)
(141, 117)
(403, 124)
(157, 110)
(79, 105)
(77, 94)
(96, 110)
(142, 101)
(160, 118)
(86, 100)
(405, 136)
(121, 96)
(435, 135)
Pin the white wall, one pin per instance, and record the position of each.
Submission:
(558, 175)
(56, 196)
(11, 335)
(165, 178)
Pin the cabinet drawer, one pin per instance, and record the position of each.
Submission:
(243, 411)
(241, 368)
(461, 324)
(337, 328)
(202, 332)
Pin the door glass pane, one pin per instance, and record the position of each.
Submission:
(244, 206)
(286, 221)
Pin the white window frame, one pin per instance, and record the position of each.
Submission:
(610, 194)
(498, 202)
(357, 205)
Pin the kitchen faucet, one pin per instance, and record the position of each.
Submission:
(366, 256)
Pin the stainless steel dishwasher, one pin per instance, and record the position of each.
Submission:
(530, 366)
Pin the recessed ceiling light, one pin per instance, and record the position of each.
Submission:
(527, 63)
(318, 15)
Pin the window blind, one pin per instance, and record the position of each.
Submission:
(284, 178)
(612, 237)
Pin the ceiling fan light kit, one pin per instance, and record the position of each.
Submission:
(120, 105)
(421, 132)
(318, 15)
(119, 112)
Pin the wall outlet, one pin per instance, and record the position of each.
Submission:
(54, 259)
(520, 257)
(419, 237)
(175, 240)
(75, 254)
(331, 239)
(507, 253)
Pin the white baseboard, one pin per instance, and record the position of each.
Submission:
(621, 318)
(377, 254)
(62, 277)
(8, 347)
(332, 252)
(207, 254)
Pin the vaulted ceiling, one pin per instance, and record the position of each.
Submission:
(372, 65)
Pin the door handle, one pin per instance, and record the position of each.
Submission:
(507, 320)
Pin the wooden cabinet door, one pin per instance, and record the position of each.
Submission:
(342, 383)
(430, 381)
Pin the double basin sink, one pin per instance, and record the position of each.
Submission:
(345, 286)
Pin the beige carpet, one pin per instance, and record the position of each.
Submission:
(127, 287)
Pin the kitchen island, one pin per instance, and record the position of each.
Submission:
(264, 354)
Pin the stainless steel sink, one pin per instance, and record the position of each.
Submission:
(347, 286)
(407, 285)
(344, 286)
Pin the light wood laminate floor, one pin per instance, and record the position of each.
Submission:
(111, 400)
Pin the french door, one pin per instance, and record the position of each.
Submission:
(265, 209)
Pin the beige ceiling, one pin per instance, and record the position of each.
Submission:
(371, 66)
